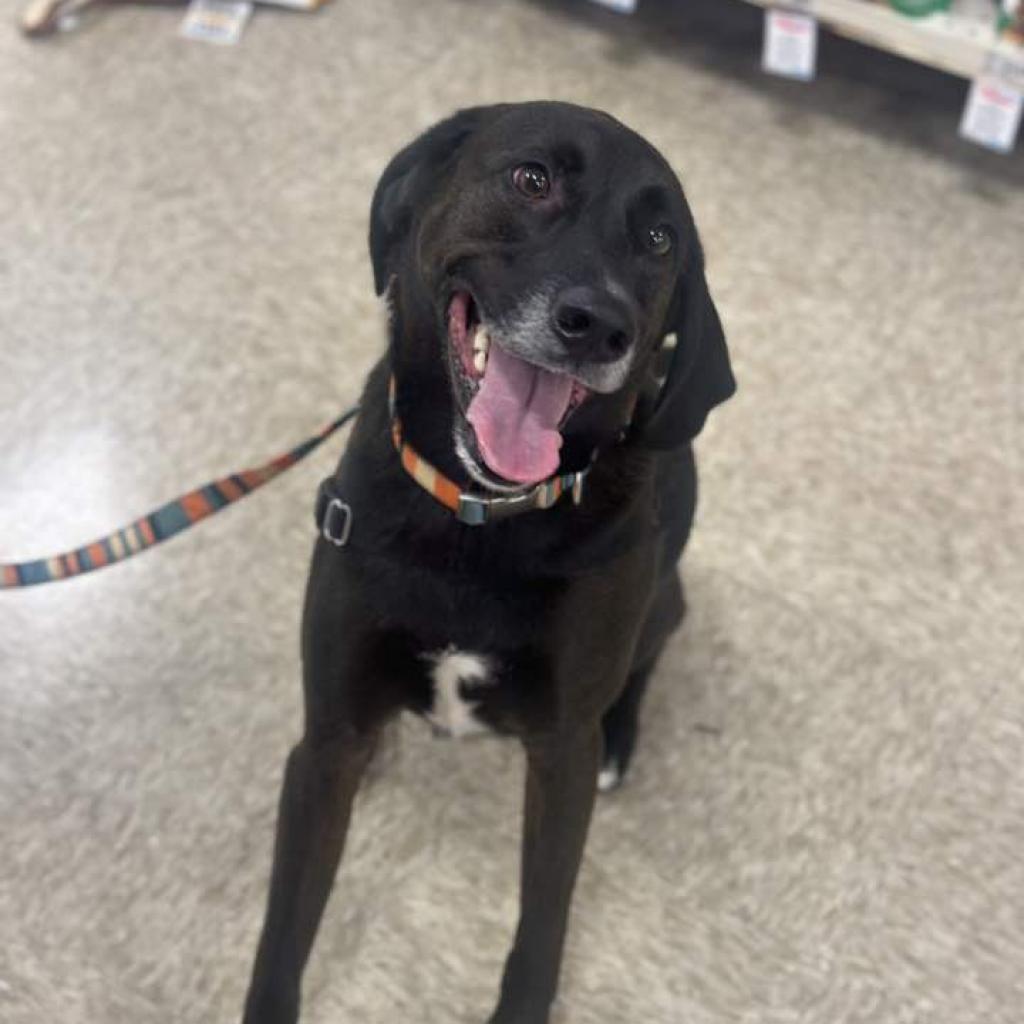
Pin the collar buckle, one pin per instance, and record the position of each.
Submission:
(475, 511)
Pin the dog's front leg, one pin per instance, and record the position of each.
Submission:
(321, 779)
(561, 783)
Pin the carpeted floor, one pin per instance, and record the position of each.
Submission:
(826, 820)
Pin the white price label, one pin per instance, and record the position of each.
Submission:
(790, 44)
(992, 115)
(216, 21)
(622, 6)
(1007, 67)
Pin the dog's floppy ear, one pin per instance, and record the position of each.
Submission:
(700, 375)
(407, 180)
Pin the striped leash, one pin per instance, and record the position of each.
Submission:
(166, 521)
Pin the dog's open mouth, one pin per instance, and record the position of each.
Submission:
(516, 408)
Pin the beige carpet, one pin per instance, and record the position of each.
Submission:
(826, 820)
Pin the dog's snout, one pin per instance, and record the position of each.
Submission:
(592, 323)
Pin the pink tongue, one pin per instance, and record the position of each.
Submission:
(516, 414)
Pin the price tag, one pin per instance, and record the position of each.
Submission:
(216, 21)
(992, 115)
(622, 6)
(1007, 66)
(790, 44)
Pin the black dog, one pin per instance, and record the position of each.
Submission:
(500, 539)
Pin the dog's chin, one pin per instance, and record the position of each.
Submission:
(510, 411)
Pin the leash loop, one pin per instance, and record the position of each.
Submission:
(337, 526)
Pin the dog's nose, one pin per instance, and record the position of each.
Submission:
(592, 323)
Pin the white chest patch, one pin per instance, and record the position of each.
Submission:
(453, 672)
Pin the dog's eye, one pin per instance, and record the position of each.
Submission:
(532, 180)
(659, 240)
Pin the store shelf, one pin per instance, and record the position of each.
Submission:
(957, 44)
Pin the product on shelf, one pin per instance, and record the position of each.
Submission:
(1012, 20)
(919, 8)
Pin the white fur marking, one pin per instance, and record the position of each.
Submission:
(451, 711)
(609, 777)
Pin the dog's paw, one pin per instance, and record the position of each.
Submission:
(611, 775)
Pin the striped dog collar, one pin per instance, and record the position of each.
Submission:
(470, 508)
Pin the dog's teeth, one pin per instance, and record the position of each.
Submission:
(481, 346)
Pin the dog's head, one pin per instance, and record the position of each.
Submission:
(541, 252)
